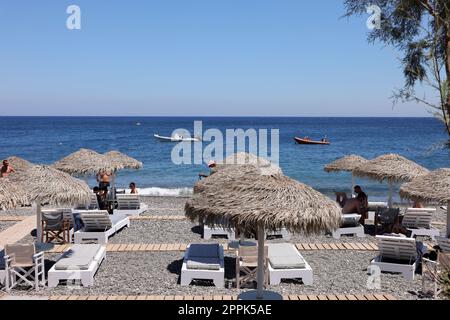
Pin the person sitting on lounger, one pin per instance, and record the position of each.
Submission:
(357, 205)
(6, 169)
(212, 169)
(133, 188)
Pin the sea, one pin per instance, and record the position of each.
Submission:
(47, 139)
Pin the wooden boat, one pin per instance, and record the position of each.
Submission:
(309, 141)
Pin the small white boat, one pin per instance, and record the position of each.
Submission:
(176, 138)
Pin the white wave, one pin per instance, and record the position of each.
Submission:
(163, 192)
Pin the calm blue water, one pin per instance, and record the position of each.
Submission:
(47, 139)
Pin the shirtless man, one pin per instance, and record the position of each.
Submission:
(6, 169)
(103, 179)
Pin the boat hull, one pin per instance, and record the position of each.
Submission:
(312, 142)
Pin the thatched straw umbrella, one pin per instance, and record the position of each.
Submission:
(123, 160)
(19, 164)
(46, 185)
(86, 162)
(11, 195)
(243, 158)
(247, 200)
(432, 187)
(390, 167)
(347, 163)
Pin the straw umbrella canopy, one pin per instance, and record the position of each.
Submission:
(390, 167)
(19, 164)
(347, 163)
(123, 160)
(47, 185)
(11, 195)
(86, 162)
(247, 200)
(432, 187)
(261, 165)
(243, 158)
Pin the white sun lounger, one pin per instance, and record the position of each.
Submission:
(80, 262)
(286, 235)
(99, 226)
(285, 262)
(203, 262)
(418, 221)
(130, 205)
(349, 225)
(209, 232)
(397, 255)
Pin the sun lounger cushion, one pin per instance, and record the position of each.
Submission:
(350, 220)
(78, 257)
(285, 256)
(204, 257)
(203, 263)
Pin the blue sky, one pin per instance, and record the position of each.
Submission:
(194, 57)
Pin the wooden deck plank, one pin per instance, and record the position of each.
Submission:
(351, 297)
(326, 246)
(303, 297)
(322, 297)
(380, 297)
(340, 246)
(293, 297)
(332, 297)
(313, 246)
(312, 297)
(333, 246)
(341, 297)
(320, 246)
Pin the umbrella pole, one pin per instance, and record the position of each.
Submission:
(448, 219)
(38, 221)
(390, 195)
(353, 185)
(261, 266)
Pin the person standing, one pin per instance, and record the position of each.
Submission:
(6, 169)
(103, 180)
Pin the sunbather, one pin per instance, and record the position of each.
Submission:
(133, 188)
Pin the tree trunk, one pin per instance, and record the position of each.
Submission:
(447, 70)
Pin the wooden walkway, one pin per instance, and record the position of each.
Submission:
(328, 297)
(159, 247)
(17, 231)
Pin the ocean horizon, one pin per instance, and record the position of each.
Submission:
(45, 139)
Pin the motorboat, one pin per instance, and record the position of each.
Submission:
(176, 138)
(309, 141)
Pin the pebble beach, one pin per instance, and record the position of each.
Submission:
(158, 273)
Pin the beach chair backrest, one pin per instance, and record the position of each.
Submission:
(421, 210)
(388, 215)
(398, 248)
(22, 253)
(96, 220)
(444, 244)
(53, 219)
(249, 254)
(417, 219)
(68, 215)
(93, 204)
(128, 201)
